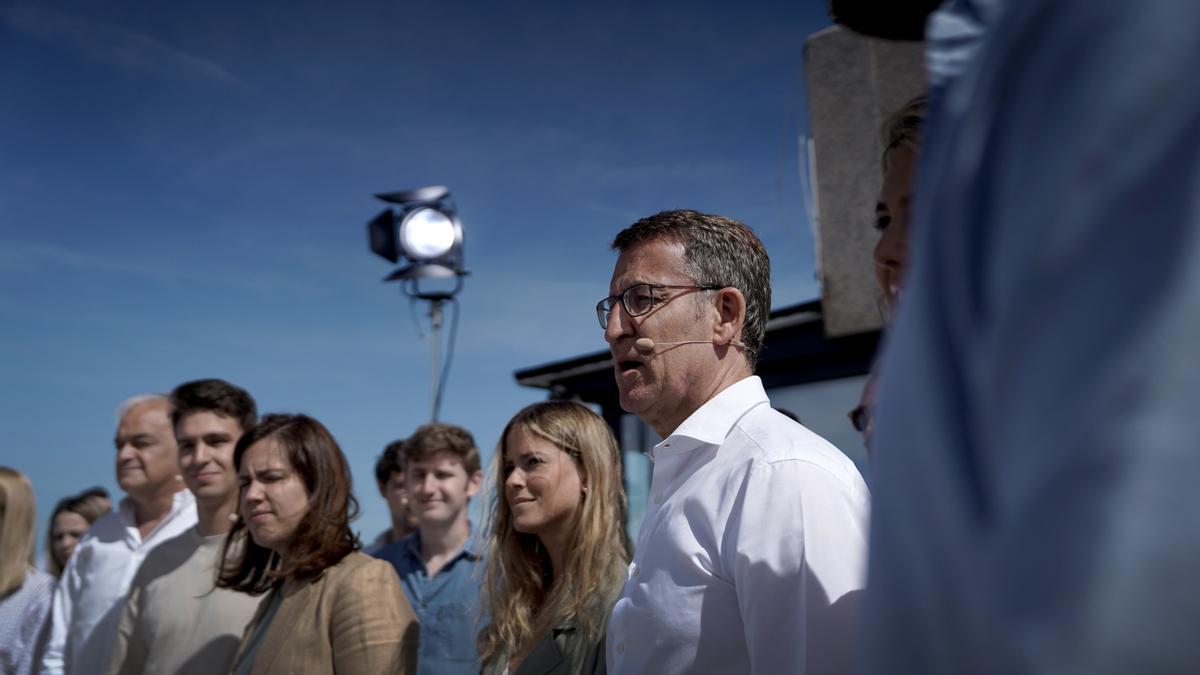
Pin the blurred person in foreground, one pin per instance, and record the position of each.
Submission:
(175, 620)
(751, 555)
(389, 478)
(1035, 500)
(70, 520)
(328, 608)
(558, 549)
(156, 508)
(440, 565)
(25, 592)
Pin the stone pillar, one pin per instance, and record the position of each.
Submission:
(854, 84)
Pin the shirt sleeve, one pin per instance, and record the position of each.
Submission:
(374, 629)
(35, 627)
(798, 551)
(61, 610)
(129, 647)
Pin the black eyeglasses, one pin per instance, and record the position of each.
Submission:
(639, 299)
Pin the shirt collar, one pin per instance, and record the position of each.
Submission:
(127, 512)
(412, 544)
(711, 422)
(127, 508)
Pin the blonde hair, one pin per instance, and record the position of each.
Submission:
(17, 511)
(521, 592)
(903, 127)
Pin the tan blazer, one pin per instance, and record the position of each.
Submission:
(353, 619)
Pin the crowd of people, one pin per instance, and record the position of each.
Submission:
(232, 551)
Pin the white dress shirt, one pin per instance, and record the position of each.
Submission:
(91, 593)
(752, 552)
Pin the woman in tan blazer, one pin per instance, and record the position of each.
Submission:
(558, 551)
(329, 608)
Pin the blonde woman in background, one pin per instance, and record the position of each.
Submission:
(901, 136)
(558, 551)
(25, 592)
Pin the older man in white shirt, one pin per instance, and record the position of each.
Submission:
(751, 554)
(157, 508)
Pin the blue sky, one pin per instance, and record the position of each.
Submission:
(184, 189)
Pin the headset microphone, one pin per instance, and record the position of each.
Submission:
(648, 345)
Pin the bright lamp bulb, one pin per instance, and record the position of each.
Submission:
(427, 234)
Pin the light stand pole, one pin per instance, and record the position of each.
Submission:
(425, 230)
(435, 300)
(435, 337)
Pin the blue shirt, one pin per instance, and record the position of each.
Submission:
(447, 605)
(1035, 503)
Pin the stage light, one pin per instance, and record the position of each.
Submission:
(425, 230)
(426, 234)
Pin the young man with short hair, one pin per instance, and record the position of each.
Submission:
(389, 478)
(175, 620)
(439, 565)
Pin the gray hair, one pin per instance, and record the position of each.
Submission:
(134, 401)
(718, 251)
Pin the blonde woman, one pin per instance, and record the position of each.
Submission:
(901, 136)
(24, 591)
(558, 551)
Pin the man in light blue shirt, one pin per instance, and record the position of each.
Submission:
(439, 565)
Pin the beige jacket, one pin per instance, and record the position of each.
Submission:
(353, 619)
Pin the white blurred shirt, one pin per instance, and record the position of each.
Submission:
(752, 552)
(91, 593)
(23, 615)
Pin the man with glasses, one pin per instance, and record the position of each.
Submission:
(751, 554)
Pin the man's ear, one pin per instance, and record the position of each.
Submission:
(731, 315)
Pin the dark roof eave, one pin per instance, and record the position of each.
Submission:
(545, 375)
